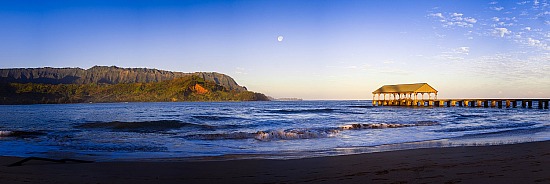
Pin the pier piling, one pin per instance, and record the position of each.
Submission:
(486, 103)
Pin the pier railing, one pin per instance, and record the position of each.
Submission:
(496, 103)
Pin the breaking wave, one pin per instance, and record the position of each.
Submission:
(268, 135)
(21, 134)
(291, 134)
(385, 125)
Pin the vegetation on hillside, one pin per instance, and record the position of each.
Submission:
(187, 88)
(107, 75)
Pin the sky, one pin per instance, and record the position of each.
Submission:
(329, 49)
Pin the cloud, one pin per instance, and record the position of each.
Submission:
(501, 31)
(456, 54)
(454, 20)
(496, 19)
(240, 70)
(470, 20)
(537, 43)
(497, 8)
(527, 28)
(457, 14)
(494, 2)
(463, 50)
(508, 67)
(440, 15)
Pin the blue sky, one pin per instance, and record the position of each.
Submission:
(331, 49)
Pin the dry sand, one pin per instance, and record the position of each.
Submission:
(518, 163)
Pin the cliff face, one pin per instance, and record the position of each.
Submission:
(187, 88)
(106, 74)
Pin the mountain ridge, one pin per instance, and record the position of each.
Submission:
(107, 75)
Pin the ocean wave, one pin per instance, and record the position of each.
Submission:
(385, 125)
(360, 106)
(291, 134)
(221, 136)
(298, 111)
(485, 127)
(20, 134)
(144, 126)
(269, 135)
(518, 131)
(294, 134)
(213, 118)
(470, 115)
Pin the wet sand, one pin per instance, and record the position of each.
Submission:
(518, 163)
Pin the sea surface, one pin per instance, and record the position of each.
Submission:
(235, 130)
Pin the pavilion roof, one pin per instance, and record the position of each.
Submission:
(406, 88)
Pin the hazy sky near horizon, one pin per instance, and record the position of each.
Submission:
(332, 49)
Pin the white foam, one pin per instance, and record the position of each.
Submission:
(374, 126)
(5, 133)
(293, 134)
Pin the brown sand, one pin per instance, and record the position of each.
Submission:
(519, 163)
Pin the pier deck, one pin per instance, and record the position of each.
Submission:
(497, 103)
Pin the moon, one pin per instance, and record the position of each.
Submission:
(280, 38)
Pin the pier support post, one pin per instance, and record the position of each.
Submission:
(523, 103)
(499, 103)
(460, 103)
(540, 104)
(514, 104)
(441, 103)
(486, 103)
(530, 104)
(493, 103)
(431, 103)
(479, 103)
(546, 104)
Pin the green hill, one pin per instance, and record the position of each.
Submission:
(185, 88)
(107, 75)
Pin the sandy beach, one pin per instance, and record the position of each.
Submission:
(518, 163)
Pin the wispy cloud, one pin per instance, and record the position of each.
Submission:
(454, 20)
(497, 8)
(240, 70)
(463, 50)
(437, 15)
(501, 31)
(537, 43)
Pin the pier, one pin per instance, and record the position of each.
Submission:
(413, 95)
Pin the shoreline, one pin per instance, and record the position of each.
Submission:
(511, 163)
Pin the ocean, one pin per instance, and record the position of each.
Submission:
(242, 130)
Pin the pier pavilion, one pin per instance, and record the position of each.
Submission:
(404, 95)
(414, 95)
